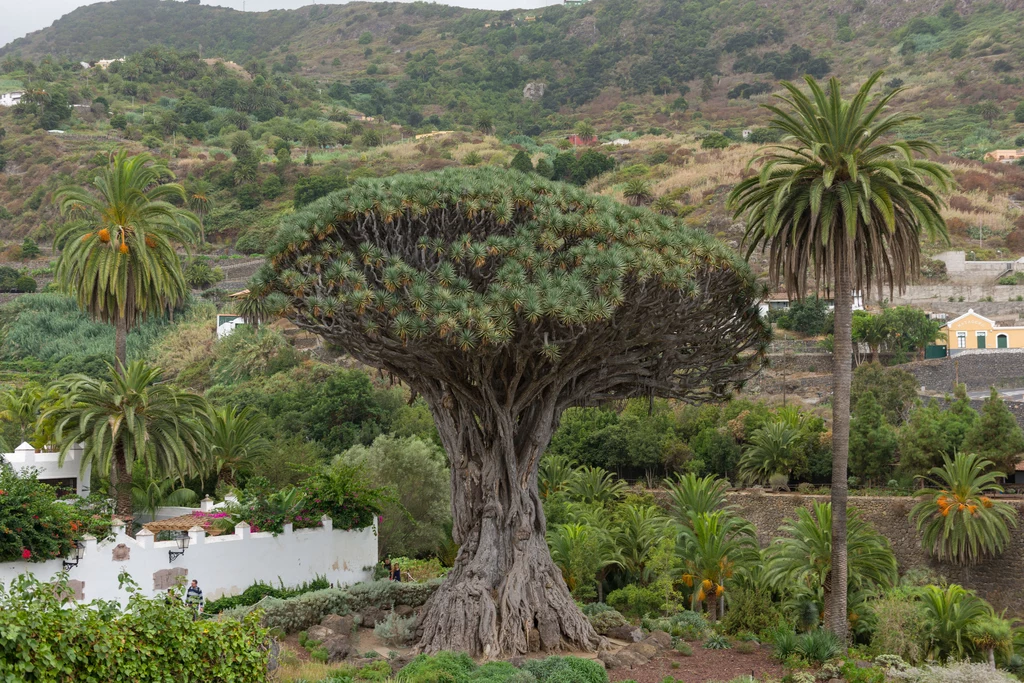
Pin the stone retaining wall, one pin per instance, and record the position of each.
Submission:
(999, 580)
(979, 371)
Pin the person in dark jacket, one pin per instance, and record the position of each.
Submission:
(194, 599)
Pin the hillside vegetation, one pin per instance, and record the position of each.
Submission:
(260, 113)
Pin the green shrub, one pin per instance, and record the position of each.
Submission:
(375, 671)
(396, 630)
(637, 600)
(785, 642)
(444, 667)
(683, 648)
(751, 610)
(295, 614)
(566, 670)
(715, 141)
(594, 608)
(50, 639)
(716, 641)
(34, 527)
(260, 590)
(746, 648)
(819, 646)
(607, 620)
(501, 672)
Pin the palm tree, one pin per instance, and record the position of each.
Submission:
(637, 192)
(581, 552)
(131, 419)
(199, 197)
(950, 613)
(118, 252)
(713, 547)
(234, 438)
(22, 408)
(149, 493)
(637, 533)
(800, 561)
(772, 450)
(992, 633)
(958, 522)
(554, 474)
(585, 130)
(692, 495)
(665, 206)
(834, 201)
(595, 486)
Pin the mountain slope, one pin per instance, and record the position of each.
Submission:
(952, 56)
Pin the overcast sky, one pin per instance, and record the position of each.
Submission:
(18, 17)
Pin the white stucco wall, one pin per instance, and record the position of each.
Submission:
(223, 565)
(48, 464)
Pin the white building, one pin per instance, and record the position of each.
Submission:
(9, 99)
(69, 478)
(226, 324)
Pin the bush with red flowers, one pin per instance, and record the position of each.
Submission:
(35, 526)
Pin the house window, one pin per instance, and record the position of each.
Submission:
(961, 340)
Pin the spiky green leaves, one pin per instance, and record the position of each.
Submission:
(480, 261)
(958, 520)
(470, 255)
(118, 255)
(833, 184)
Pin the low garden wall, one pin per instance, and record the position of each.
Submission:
(999, 580)
(223, 565)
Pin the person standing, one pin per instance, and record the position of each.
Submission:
(387, 567)
(194, 599)
(396, 573)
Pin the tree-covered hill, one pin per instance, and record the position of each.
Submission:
(315, 98)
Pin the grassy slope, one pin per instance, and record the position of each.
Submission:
(325, 39)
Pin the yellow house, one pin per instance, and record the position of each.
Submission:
(974, 331)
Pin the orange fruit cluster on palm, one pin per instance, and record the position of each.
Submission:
(948, 501)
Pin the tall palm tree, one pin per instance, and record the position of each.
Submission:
(234, 438)
(118, 250)
(199, 197)
(958, 521)
(131, 419)
(837, 201)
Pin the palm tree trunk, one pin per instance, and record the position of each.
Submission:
(992, 658)
(122, 483)
(842, 355)
(121, 341)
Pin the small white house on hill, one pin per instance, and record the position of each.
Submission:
(9, 99)
(226, 324)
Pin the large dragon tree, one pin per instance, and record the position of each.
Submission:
(503, 299)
